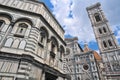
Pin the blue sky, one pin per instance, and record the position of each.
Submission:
(72, 16)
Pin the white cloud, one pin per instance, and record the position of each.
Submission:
(75, 25)
(79, 24)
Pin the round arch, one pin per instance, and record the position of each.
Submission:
(7, 15)
(97, 17)
(28, 20)
(54, 40)
(44, 30)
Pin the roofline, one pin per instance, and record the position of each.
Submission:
(37, 15)
(93, 6)
(52, 16)
(49, 12)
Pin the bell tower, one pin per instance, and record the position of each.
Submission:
(108, 46)
(104, 36)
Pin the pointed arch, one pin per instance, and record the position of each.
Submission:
(9, 42)
(22, 44)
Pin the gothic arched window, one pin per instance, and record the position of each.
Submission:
(104, 29)
(104, 43)
(110, 43)
(100, 31)
(97, 17)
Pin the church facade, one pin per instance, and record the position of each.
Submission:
(72, 48)
(30, 46)
(108, 46)
(81, 64)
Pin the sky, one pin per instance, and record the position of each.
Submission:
(73, 17)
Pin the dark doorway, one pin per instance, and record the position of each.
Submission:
(49, 76)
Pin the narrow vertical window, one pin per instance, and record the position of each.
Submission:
(104, 43)
(97, 17)
(110, 43)
(100, 31)
(104, 30)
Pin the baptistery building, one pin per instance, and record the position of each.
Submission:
(31, 42)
